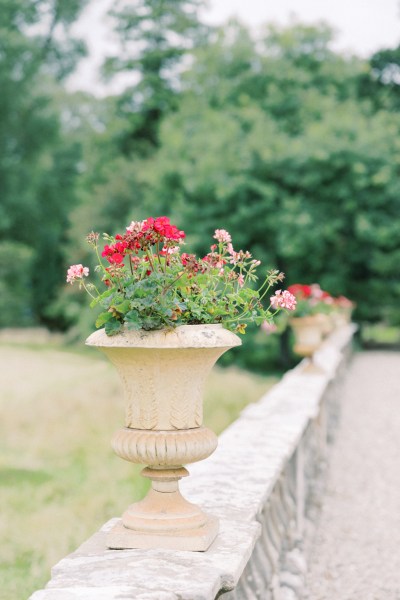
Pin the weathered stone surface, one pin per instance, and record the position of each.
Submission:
(263, 483)
(188, 575)
(119, 592)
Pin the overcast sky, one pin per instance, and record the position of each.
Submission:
(362, 26)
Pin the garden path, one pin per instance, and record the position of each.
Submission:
(356, 554)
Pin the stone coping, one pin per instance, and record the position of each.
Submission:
(233, 484)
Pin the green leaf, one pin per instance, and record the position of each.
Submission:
(123, 307)
(102, 296)
(133, 320)
(113, 326)
(150, 323)
(103, 318)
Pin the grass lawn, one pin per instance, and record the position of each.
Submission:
(59, 479)
(380, 334)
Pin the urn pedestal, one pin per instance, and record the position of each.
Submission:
(163, 375)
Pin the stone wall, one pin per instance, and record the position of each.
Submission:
(264, 482)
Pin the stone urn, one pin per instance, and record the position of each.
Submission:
(326, 323)
(341, 317)
(163, 375)
(308, 334)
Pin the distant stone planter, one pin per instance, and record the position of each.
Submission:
(326, 323)
(308, 333)
(341, 317)
(163, 375)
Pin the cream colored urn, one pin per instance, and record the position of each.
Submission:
(163, 375)
(308, 333)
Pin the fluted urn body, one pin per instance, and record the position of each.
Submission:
(163, 375)
(308, 334)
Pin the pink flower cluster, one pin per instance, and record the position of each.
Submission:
(283, 299)
(222, 236)
(343, 302)
(76, 272)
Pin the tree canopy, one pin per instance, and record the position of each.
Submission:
(291, 146)
(274, 142)
(37, 167)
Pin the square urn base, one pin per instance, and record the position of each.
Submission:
(195, 540)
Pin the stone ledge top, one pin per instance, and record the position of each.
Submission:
(152, 574)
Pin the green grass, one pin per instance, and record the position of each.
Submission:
(59, 479)
(380, 334)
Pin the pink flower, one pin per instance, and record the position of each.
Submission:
(268, 327)
(235, 256)
(316, 291)
(283, 299)
(221, 235)
(135, 227)
(240, 280)
(344, 302)
(169, 250)
(76, 272)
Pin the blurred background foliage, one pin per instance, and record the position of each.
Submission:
(290, 146)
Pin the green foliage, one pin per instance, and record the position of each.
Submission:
(152, 285)
(380, 82)
(37, 165)
(155, 36)
(304, 175)
(289, 145)
(15, 284)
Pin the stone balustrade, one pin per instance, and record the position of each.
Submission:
(264, 482)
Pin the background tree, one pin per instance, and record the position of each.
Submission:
(279, 139)
(156, 41)
(274, 143)
(381, 80)
(37, 167)
(155, 38)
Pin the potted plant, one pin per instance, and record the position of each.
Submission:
(312, 321)
(167, 315)
(342, 311)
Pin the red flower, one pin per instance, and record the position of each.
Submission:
(115, 259)
(300, 290)
(160, 230)
(190, 262)
(107, 251)
(115, 252)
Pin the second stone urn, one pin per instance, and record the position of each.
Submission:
(163, 375)
(308, 333)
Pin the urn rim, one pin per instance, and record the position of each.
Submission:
(183, 336)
